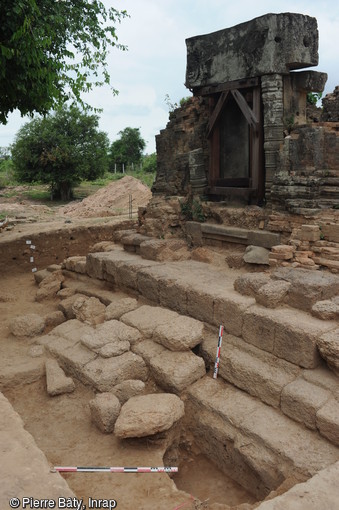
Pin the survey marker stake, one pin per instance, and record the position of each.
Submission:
(217, 358)
(82, 469)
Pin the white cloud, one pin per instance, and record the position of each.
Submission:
(155, 63)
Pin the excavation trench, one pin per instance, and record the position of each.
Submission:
(218, 461)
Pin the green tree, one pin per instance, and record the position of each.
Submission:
(52, 51)
(128, 148)
(61, 150)
(149, 163)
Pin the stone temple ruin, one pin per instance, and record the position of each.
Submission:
(239, 169)
(244, 141)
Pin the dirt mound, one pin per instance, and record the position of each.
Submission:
(112, 200)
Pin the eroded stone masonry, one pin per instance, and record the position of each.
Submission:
(241, 152)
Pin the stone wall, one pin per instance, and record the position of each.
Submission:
(184, 133)
(331, 106)
(308, 170)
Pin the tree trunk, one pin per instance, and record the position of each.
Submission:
(64, 191)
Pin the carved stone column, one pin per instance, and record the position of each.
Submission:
(273, 103)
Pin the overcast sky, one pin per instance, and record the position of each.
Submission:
(155, 62)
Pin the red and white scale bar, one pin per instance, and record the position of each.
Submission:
(81, 469)
(217, 358)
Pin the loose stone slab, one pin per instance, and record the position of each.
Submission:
(148, 350)
(66, 305)
(147, 415)
(27, 325)
(148, 318)
(50, 285)
(104, 374)
(115, 330)
(175, 371)
(272, 294)
(182, 334)
(73, 330)
(105, 409)
(127, 389)
(249, 284)
(114, 349)
(118, 308)
(57, 382)
(89, 310)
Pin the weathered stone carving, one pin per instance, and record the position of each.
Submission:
(273, 43)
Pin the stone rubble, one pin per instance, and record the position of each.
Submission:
(57, 382)
(147, 415)
(105, 409)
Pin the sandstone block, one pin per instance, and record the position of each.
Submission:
(66, 305)
(57, 382)
(27, 325)
(114, 349)
(21, 373)
(147, 318)
(272, 294)
(148, 350)
(72, 357)
(50, 285)
(115, 330)
(200, 302)
(89, 310)
(326, 310)
(148, 285)
(105, 409)
(127, 389)
(328, 345)
(147, 415)
(73, 330)
(328, 421)
(173, 295)
(54, 319)
(175, 371)
(249, 284)
(65, 293)
(40, 275)
(229, 309)
(76, 264)
(300, 400)
(307, 287)
(182, 334)
(102, 246)
(104, 374)
(118, 308)
(285, 250)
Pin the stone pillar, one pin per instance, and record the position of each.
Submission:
(198, 179)
(273, 102)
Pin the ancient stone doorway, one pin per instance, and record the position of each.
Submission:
(235, 133)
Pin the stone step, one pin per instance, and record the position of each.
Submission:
(303, 395)
(260, 374)
(228, 234)
(196, 289)
(252, 441)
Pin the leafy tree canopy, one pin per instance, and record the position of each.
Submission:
(128, 148)
(61, 150)
(149, 163)
(52, 51)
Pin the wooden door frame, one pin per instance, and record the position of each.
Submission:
(219, 96)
